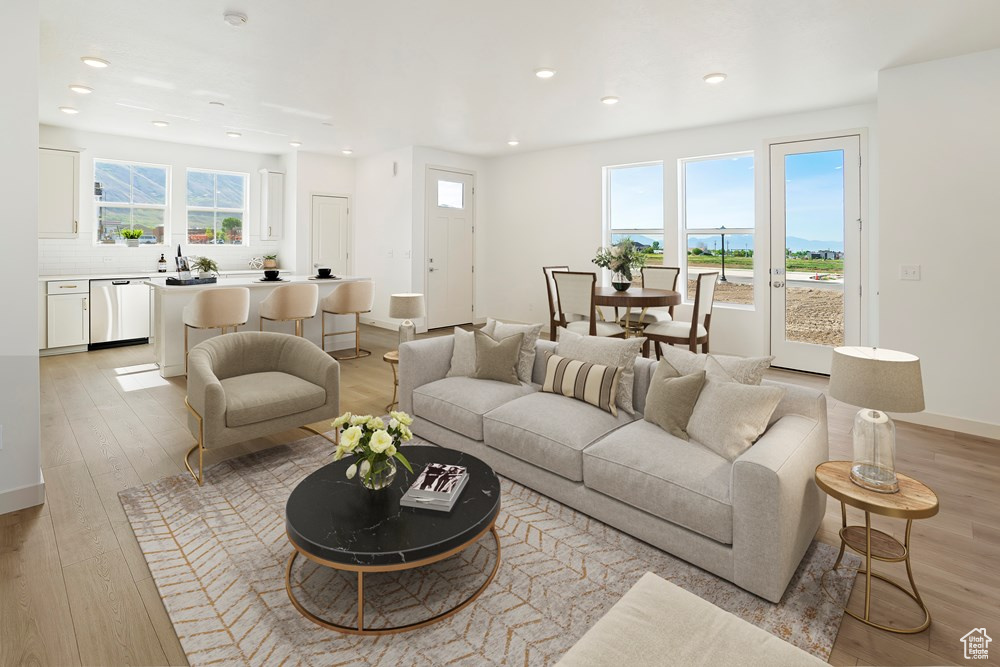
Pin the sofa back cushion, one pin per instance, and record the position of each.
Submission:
(497, 359)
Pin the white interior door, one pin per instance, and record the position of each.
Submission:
(815, 275)
(330, 233)
(450, 228)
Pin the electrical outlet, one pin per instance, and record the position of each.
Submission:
(108, 260)
(909, 272)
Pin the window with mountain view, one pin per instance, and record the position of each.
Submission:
(635, 207)
(130, 196)
(216, 207)
(717, 217)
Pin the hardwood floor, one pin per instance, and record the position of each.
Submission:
(75, 589)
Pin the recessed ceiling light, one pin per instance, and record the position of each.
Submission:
(327, 124)
(513, 142)
(81, 89)
(160, 123)
(347, 151)
(233, 135)
(294, 144)
(609, 100)
(69, 110)
(545, 72)
(235, 19)
(714, 77)
(99, 63)
(216, 104)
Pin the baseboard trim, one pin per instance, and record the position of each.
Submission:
(947, 422)
(23, 496)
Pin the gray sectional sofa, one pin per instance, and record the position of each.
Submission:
(749, 521)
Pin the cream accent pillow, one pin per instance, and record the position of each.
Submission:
(745, 370)
(463, 356)
(615, 352)
(526, 360)
(590, 383)
(729, 416)
(497, 360)
(671, 399)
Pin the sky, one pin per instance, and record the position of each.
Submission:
(720, 192)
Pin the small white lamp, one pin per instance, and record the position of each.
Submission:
(406, 307)
(881, 380)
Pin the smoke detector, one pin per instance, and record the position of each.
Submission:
(235, 19)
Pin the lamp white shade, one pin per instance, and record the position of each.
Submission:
(877, 378)
(406, 306)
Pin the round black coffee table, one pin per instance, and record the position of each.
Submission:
(335, 522)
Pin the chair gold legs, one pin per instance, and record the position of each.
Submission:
(358, 350)
(200, 445)
(299, 323)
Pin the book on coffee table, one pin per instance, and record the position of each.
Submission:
(437, 487)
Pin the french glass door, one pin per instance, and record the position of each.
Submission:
(815, 276)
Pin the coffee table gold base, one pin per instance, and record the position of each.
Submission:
(361, 570)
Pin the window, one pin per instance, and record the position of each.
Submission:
(450, 194)
(130, 196)
(635, 208)
(717, 223)
(216, 207)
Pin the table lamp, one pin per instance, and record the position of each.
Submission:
(880, 380)
(406, 307)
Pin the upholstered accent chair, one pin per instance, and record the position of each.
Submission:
(695, 332)
(250, 384)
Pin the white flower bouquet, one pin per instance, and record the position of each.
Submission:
(375, 444)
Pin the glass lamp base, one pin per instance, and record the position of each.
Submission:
(874, 464)
(407, 332)
(875, 478)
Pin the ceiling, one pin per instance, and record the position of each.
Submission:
(458, 74)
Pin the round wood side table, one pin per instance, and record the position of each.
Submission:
(914, 500)
(392, 358)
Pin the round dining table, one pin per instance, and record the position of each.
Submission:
(635, 297)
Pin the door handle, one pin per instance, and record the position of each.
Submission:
(85, 303)
(778, 283)
(76, 226)
(269, 230)
(431, 270)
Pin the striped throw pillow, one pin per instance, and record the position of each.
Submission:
(584, 381)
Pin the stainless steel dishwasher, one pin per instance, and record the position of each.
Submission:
(119, 312)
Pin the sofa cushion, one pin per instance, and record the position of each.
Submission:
(458, 404)
(679, 481)
(500, 330)
(260, 397)
(590, 383)
(549, 431)
(497, 359)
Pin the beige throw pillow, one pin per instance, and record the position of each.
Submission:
(671, 399)
(463, 356)
(745, 370)
(591, 383)
(729, 416)
(526, 360)
(614, 352)
(497, 360)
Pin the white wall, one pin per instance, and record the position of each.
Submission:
(83, 255)
(20, 474)
(546, 208)
(940, 170)
(314, 174)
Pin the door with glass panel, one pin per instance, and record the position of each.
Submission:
(450, 250)
(815, 275)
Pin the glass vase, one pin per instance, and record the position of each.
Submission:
(874, 464)
(620, 282)
(381, 475)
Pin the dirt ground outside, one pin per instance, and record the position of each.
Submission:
(812, 315)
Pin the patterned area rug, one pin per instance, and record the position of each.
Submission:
(218, 553)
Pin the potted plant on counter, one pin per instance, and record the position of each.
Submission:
(131, 237)
(270, 261)
(206, 267)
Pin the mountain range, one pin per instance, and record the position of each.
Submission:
(741, 241)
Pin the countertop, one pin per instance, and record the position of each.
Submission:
(140, 274)
(251, 281)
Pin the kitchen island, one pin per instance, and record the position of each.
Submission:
(168, 309)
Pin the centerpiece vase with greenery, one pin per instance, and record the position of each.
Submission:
(622, 259)
(374, 443)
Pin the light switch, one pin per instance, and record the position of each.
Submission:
(909, 272)
(388, 253)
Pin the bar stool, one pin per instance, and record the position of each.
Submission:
(290, 302)
(217, 308)
(348, 298)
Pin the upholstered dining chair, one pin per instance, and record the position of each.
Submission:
(296, 302)
(216, 308)
(349, 298)
(695, 332)
(251, 384)
(577, 310)
(550, 292)
(654, 277)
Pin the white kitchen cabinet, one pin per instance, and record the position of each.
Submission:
(272, 205)
(58, 193)
(68, 319)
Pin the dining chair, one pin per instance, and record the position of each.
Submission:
(577, 309)
(693, 333)
(550, 292)
(654, 277)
